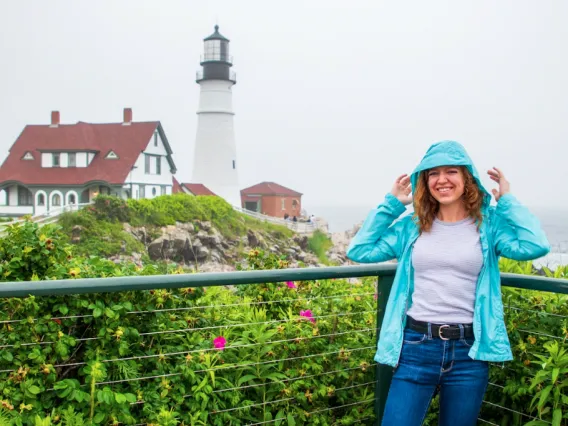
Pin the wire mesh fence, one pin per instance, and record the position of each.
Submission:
(283, 353)
(287, 353)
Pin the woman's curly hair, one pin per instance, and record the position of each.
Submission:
(426, 206)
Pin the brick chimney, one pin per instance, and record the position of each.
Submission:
(127, 121)
(54, 119)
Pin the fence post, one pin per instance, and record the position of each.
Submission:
(383, 373)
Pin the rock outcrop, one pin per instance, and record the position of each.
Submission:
(202, 246)
(337, 253)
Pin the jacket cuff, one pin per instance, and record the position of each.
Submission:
(506, 201)
(394, 203)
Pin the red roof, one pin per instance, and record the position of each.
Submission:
(198, 189)
(176, 187)
(270, 188)
(126, 141)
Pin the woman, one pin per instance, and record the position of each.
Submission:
(444, 317)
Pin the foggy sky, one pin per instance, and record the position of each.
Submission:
(334, 99)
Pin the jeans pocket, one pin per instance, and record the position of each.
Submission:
(412, 337)
(468, 341)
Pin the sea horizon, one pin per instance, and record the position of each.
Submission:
(554, 221)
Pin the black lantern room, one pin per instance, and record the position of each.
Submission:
(216, 61)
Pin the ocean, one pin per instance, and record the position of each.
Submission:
(554, 223)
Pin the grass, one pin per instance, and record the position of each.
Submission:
(103, 233)
(319, 243)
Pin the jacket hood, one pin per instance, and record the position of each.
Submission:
(448, 153)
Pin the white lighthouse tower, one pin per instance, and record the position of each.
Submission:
(215, 159)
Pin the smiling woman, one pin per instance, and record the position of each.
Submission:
(447, 192)
(445, 307)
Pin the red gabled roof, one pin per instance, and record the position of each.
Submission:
(198, 189)
(176, 187)
(126, 141)
(270, 188)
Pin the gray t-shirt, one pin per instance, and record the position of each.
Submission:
(447, 261)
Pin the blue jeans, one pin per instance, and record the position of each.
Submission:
(425, 363)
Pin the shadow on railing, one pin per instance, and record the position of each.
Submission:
(294, 348)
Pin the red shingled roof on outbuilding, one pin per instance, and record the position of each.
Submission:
(269, 188)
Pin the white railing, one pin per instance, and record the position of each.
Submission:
(300, 227)
(48, 216)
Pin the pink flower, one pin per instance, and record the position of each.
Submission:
(308, 315)
(219, 342)
(291, 284)
(376, 296)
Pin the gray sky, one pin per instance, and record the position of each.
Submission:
(334, 98)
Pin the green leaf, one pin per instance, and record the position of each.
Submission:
(130, 397)
(246, 378)
(7, 356)
(555, 372)
(544, 396)
(64, 309)
(120, 398)
(109, 313)
(291, 421)
(33, 389)
(557, 417)
(99, 418)
(279, 417)
(97, 312)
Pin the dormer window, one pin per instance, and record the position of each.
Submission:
(55, 159)
(111, 156)
(72, 159)
(28, 156)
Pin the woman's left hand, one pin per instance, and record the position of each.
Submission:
(504, 186)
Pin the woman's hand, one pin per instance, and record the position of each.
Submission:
(402, 189)
(504, 186)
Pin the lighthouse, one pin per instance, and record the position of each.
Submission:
(215, 155)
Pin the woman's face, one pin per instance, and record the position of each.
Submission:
(446, 184)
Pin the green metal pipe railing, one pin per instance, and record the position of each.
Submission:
(384, 272)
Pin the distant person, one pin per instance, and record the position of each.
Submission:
(294, 219)
(313, 219)
(286, 216)
(446, 330)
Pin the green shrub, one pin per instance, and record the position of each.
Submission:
(98, 237)
(189, 356)
(110, 209)
(319, 243)
(28, 252)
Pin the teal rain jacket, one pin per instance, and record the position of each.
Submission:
(507, 230)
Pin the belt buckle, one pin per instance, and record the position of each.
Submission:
(440, 332)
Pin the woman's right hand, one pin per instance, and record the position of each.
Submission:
(402, 189)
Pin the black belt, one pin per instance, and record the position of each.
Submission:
(443, 331)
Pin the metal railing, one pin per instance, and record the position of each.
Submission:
(231, 76)
(299, 227)
(205, 318)
(49, 216)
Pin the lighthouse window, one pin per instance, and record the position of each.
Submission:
(213, 50)
(234, 165)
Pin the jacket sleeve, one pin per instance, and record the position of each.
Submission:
(518, 234)
(379, 240)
